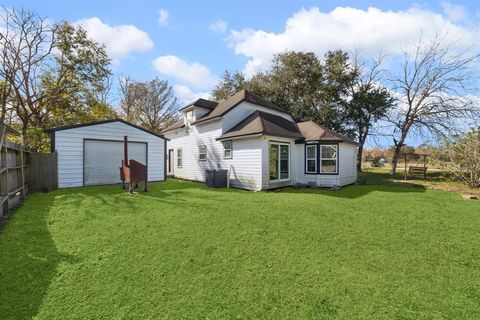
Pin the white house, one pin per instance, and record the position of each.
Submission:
(91, 154)
(259, 144)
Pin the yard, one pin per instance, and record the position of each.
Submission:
(184, 251)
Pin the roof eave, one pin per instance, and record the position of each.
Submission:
(51, 130)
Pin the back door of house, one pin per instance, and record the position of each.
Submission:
(102, 160)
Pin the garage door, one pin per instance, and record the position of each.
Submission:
(103, 158)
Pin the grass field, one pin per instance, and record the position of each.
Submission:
(183, 251)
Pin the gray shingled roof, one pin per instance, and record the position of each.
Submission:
(266, 124)
(226, 105)
(313, 131)
(176, 125)
(203, 103)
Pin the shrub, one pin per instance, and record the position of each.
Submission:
(462, 155)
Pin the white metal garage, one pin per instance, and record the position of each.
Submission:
(91, 154)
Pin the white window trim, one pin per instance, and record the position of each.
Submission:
(231, 150)
(336, 158)
(314, 158)
(200, 153)
(180, 158)
(289, 161)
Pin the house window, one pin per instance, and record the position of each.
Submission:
(227, 149)
(311, 158)
(328, 159)
(179, 158)
(202, 151)
(279, 156)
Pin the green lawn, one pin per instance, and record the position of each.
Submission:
(185, 251)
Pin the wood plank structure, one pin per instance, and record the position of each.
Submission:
(416, 169)
(21, 172)
(43, 173)
(14, 166)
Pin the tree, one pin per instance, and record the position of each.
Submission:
(150, 104)
(463, 157)
(435, 81)
(230, 83)
(78, 80)
(369, 102)
(130, 93)
(27, 42)
(302, 84)
(52, 71)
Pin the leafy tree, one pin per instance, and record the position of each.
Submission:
(301, 83)
(369, 102)
(463, 157)
(406, 149)
(230, 83)
(51, 71)
(151, 104)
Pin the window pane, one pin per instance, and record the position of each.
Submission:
(329, 152)
(273, 162)
(179, 158)
(202, 152)
(311, 152)
(311, 166)
(329, 166)
(227, 147)
(283, 162)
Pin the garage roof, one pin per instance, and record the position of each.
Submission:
(102, 122)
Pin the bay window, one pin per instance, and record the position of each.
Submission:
(328, 158)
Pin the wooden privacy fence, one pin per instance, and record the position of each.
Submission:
(43, 175)
(22, 172)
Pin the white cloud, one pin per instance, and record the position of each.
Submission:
(219, 26)
(163, 16)
(120, 40)
(193, 74)
(347, 28)
(454, 12)
(186, 95)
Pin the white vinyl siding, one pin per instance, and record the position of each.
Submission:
(249, 166)
(243, 110)
(205, 134)
(347, 172)
(245, 170)
(347, 164)
(69, 144)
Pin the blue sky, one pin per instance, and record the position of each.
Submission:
(191, 43)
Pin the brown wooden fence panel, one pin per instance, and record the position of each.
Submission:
(21, 172)
(43, 174)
